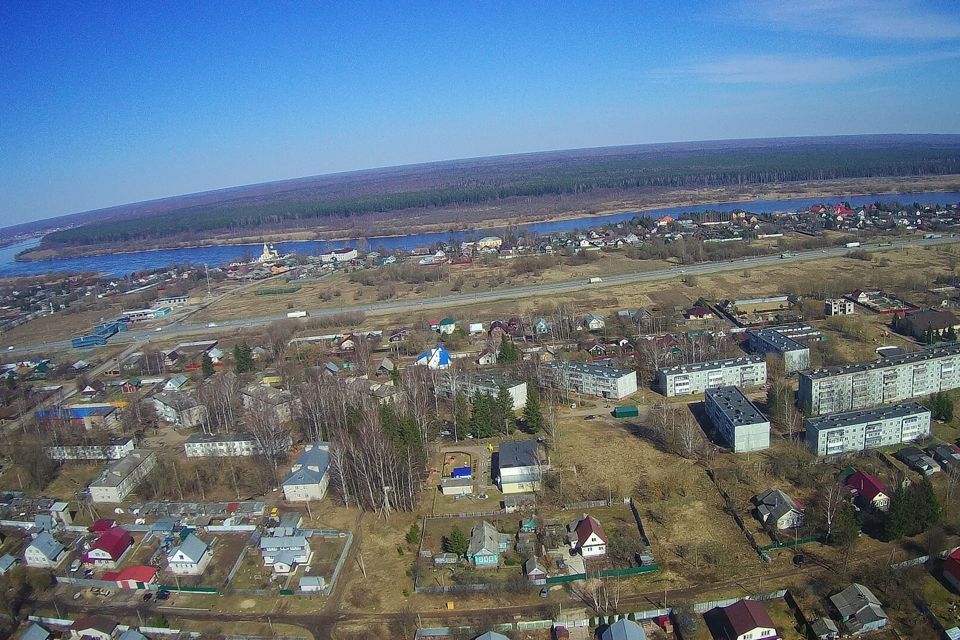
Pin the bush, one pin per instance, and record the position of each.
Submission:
(860, 254)
(413, 534)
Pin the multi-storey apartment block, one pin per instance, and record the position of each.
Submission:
(114, 449)
(782, 342)
(737, 419)
(853, 431)
(685, 379)
(887, 381)
(122, 476)
(451, 382)
(590, 379)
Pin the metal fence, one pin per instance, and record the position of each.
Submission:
(336, 570)
(789, 544)
(586, 504)
(702, 607)
(605, 573)
(475, 514)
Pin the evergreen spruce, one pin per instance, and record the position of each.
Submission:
(456, 542)
(206, 366)
(532, 414)
(505, 414)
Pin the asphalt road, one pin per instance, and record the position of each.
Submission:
(181, 328)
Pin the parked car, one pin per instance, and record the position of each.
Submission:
(74, 566)
(147, 597)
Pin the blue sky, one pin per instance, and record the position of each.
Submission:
(104, 103)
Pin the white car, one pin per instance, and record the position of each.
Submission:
(211, 325)
(159, 329)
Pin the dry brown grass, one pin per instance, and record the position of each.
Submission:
(828, 277)
(60, 326)
(681, 509)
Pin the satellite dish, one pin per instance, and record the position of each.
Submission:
(118, 511)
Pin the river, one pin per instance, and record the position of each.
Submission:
(120, 264)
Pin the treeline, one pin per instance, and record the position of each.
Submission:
(565, 175)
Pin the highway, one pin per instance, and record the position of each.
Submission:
(181, 328)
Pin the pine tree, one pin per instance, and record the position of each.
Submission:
(941, 406)
(456, 542)
(481, 416)
(413, 534)
(242, 358)
(206, 365)
(505, 414)
(461, 413)
(532, 414)
(900, 518)
(508, 351)
(926, 505)
(845, 529)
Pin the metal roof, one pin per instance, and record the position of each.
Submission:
(310, 466)
(860, 416)
(193, 547)
(518, 453)
(47, 545)
(711, 365)
(735, 406)
(892, 361)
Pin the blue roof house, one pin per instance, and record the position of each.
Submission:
(308, 478)
(436, 358)
(44, 551)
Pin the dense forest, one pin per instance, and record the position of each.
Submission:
(463, 183)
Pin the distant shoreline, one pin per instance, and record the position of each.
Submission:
(828, 190)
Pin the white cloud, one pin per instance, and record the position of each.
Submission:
(868, 20)
(801, 69)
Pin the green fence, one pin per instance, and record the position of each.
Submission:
(174, 588)
(277, 291)
(790, 544)
(606, 573)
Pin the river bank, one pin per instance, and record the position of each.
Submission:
(603, 207)
(122, 263)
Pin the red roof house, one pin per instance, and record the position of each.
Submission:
(870, 490)
(951, 569)
(745, 619)
(589, 537)
(109, 547)
(844, 211)
(102, 525)
(135, 577)
(699, 313)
